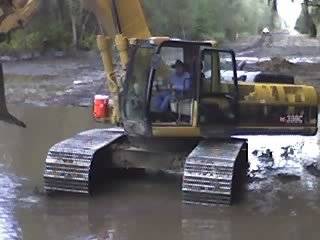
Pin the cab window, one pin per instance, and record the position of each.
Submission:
(172, 95)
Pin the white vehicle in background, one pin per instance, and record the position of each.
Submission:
(249, 76)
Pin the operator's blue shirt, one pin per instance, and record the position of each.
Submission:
(181, 83)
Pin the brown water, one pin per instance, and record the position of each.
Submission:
(150, 207)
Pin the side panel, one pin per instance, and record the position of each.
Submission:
(277, 109)
(273, 109)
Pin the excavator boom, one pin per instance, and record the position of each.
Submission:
(118, 20)
(120, 17)
(14, 14)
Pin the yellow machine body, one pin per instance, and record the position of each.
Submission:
(259, 108)
(16, 14)
(216, 107)
(262, 108)
(125, 17)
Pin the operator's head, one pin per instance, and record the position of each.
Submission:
(179, 67)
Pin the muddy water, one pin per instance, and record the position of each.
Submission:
(274, 206)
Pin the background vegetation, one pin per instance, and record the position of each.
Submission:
(65, 24)
(207, 18)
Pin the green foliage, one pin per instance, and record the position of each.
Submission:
(51, 28)
(63, 24)
(89, 41)
(21, 41)
(58, 36)
(206, 18)
(34, 38)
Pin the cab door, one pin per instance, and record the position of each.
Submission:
(134, 98)
(218, 93)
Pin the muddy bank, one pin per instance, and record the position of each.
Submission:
(278, 44)
(74, 80)
(54, 81)
(296, 55)
(304, 73)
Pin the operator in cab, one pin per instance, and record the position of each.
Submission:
(179, 83)
(180, 80)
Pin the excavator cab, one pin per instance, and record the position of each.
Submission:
(207, 102)
(152, 105)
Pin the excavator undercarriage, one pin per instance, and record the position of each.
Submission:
(211, 170)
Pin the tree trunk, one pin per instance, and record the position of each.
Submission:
(84, 25)
(310, 25)
(74, 31)
(274, 14)
(61, 7)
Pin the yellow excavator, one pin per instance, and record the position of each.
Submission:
(193, 130)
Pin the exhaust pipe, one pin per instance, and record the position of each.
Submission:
(4, 113)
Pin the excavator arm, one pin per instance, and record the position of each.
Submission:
(14, 14)
(119, 20)
(120, 17)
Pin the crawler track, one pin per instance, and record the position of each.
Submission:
(68, 164)
(210, 170)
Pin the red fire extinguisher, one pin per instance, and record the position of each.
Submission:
(101, 107)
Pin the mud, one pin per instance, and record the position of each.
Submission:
(276, 64)
(55, 81)
(296, 55)
(149, 207)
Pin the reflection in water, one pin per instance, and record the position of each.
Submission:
(202, 228)
(9, 226)
(274, 206)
